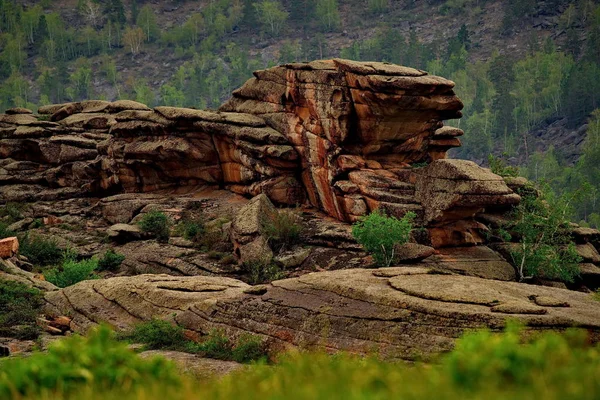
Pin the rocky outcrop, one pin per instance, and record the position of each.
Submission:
(346, 137)
(402, 312)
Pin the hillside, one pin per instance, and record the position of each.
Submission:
(527, 71)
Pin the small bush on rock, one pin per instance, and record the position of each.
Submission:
(12, 211)
(158, 334)
(19, 308)
(283, 229)
(262, 271)
(546, 249)
(110, 261)
(378, 234)
(39, 250)
(156, 223)
(97, 362)
(4, 231)
(72, 272)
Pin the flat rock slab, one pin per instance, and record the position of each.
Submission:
(401, 312)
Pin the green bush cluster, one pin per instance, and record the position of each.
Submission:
(158, 334)
(545, 248)
(283, 229)
(110, 261)
(157, 224)
(39, 250)
(97, 363)
(4, 231)
(13, 212)
(262, 271)
(379, 234)
(19, 309)
(192, 230)
(484, 364)
(72, 272)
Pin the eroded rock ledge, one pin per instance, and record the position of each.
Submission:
(344, 136)
(401, 312)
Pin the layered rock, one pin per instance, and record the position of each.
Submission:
(402, 312)
(341, 134)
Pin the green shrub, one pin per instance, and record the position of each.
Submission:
(72, 272)
(493, 366)
(217, 345)
(156, 223)
(158, 334)
(39, 250)
(192, 230)
(262, 271)
(4, 231)
(499, 167)
(546, 249)
(19, 309)
(248, 348)
(97, 363)
(379, 234)
(110, 261)
(283, 229)
(12, 211)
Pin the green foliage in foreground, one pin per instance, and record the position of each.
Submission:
(483, 365)
(156, 223)
(72, 272)
(19, 308)
(379, 234)
(94, 363)
(157, 334)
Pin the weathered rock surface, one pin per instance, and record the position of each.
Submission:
(339, 134)
(403, 312)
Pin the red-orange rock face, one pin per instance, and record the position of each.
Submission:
(341, 135)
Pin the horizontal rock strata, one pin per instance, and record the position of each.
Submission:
(402, 312)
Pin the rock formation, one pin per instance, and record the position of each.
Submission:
(403, 312)
(341, 139)
(341, 134)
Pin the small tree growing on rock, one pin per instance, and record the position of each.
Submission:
(545, 249)
(378, 234)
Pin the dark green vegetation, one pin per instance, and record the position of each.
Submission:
(379, 234)
(19, 308)
(72, 272)
(483, 365)
(110, 261)
(162, 335)
(262, 271)
(39, 250)
(95, 363)
(545, 247)
(283, 229)
(157, 224)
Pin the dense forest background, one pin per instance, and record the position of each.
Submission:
(528, 71)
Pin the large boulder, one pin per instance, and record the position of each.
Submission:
(404, 312)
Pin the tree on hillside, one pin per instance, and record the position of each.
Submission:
(146, 19)
(133, 39)
(115, 11)
(271, 15)
(328, 14)
(91, 12)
